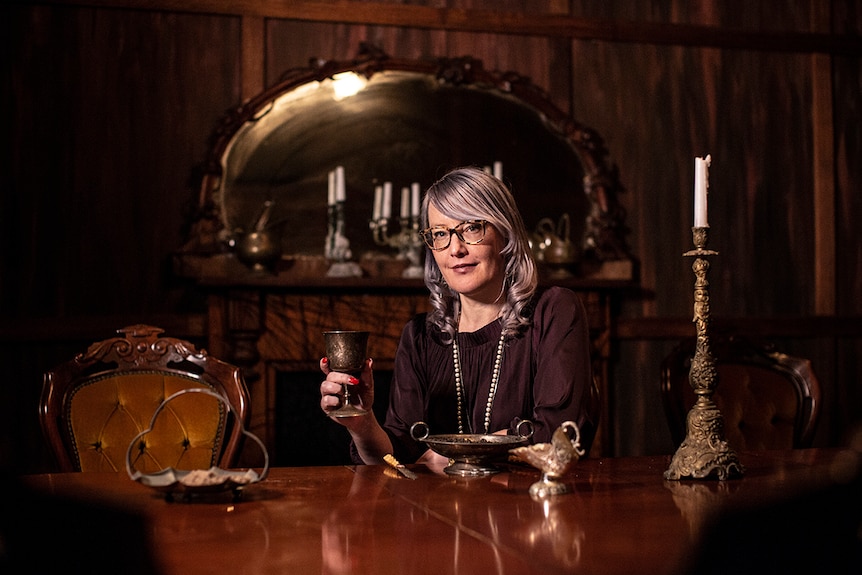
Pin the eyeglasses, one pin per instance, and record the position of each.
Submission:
(439, 237)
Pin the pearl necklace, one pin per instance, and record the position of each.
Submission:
(495, 378)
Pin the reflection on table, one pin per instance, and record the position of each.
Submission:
(621, 517)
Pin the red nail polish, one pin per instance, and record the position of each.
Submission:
(325, 360)
(353, 380)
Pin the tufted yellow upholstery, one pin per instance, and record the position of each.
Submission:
(104, 414)
(768, 400)
(93, 406)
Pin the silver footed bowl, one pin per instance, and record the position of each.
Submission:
(472, 455)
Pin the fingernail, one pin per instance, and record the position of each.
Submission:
(325, 360)
(353, 380)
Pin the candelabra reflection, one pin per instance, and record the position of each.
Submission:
(402, 233)
(405, 238)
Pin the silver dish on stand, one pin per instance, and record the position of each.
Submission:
(472, 455)
(187, 483)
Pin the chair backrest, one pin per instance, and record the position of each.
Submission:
(768, 399)
(94, 405)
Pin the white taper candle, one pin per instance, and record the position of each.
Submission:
(405, 202)
(701, 184)
(378, 200)
(414, 199)
(386, 210)
(340, 190)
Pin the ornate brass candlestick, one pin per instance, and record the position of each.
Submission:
(704, 451)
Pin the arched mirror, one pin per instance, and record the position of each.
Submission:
(403, 122)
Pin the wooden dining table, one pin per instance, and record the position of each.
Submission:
(620, 516)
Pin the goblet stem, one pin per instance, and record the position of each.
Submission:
(347, 409)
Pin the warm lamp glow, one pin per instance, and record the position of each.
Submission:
(346, 84)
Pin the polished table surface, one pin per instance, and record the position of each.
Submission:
(622, 516)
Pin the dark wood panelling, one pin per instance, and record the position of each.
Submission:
(108, 114)
(747, 29)
(112, 113)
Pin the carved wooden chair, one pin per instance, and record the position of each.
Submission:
(93, 406)
(768, 399)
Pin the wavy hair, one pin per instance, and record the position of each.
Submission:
(469, 193)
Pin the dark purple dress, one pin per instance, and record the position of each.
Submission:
(544, 377)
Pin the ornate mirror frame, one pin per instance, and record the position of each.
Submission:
(228, 206)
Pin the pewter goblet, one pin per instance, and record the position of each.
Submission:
(346, 352)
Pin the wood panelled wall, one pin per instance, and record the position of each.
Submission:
(108, 107)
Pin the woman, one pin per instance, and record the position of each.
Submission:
(494, 350)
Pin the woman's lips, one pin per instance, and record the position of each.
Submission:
(462, 267)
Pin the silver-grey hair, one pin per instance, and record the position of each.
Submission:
(471, 194)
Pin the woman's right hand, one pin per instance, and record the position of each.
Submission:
(331, 391)
(371, 441)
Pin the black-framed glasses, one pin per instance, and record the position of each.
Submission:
(439, 237)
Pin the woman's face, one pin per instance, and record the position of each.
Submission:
(475, 271)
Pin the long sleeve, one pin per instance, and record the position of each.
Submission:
(563, 370)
